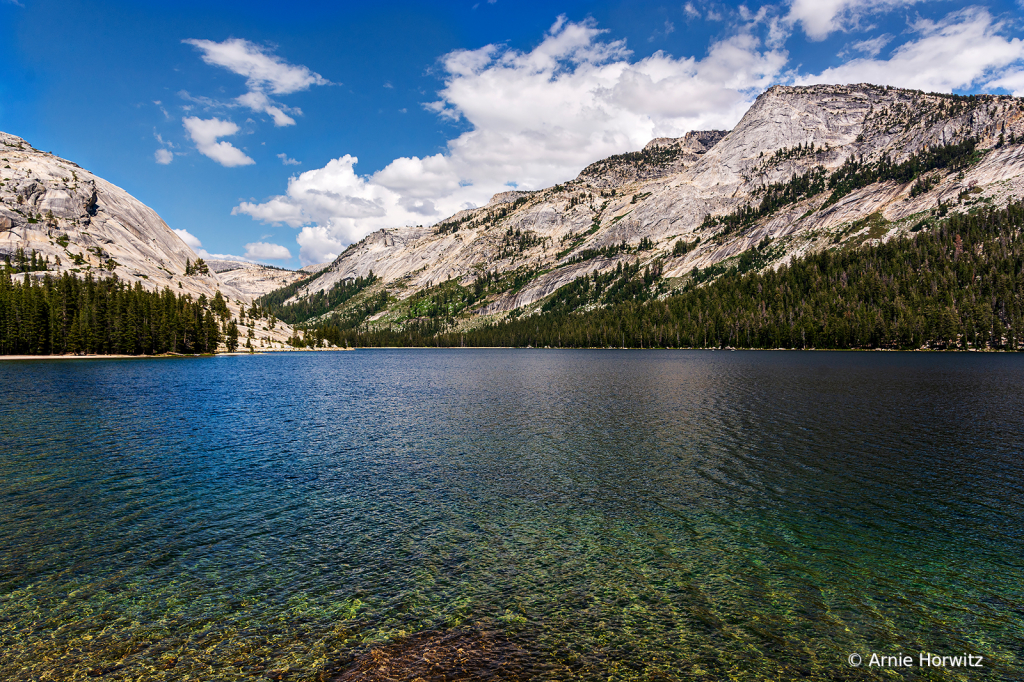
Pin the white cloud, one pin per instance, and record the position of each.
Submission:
(258, 101)
(265, 251)
(204, 132)
(197, 246)
(264, 73)
(316, 245)
(535, 118)
(419, 178)
(159, 105)
(190, 240)
(691, 11)
(333, 195)
(820, 18)
(664, 33)
(960, 50)
(1011, 80)
(163, 156)
(288, 161)
(870, 47)
(205, 102)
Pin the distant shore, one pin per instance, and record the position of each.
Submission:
(267, 351)
(98, 357)
(70, 356)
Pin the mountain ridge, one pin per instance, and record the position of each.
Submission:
(634, 209)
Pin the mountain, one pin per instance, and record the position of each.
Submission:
(82, 223)
(56, 217)
(807, 169)
(253, 279)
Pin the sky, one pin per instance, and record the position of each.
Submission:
(282, 132)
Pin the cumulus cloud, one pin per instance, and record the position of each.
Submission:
(264, 73)
(265, 251)
(821, 18)
(534, 118)
(317, 245)
(345, 205)
(288, 161)
(962, 49)
(190, 240)
(1012, 80)
(204, 132)
(419, 178)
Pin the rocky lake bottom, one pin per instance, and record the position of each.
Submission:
(513, 514)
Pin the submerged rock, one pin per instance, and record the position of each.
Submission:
(438, 656)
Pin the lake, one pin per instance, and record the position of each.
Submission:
(512, 514)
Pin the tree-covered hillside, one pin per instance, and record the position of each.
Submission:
(954, 283)
(313, 305)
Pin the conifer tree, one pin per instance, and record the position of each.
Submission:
(232, 337)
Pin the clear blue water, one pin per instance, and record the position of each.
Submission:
(549, 514)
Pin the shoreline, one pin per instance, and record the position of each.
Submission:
(69, 356)
(721, 350)
(4, 358)
(101, 357)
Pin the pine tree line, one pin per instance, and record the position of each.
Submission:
(66, 314)
(19, 261)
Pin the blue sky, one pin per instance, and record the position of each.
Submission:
(284, 131)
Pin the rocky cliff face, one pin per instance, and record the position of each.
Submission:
(636, 207)
(253, 279)
(82, 223)
(77, 222)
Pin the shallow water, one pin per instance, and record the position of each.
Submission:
(549, 514)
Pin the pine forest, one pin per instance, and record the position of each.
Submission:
(105, 316)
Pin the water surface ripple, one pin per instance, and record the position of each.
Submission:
(555, 515)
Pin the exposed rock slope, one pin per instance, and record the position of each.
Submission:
(253, 279)
(82, 223)
(636, 207)
(77, 222)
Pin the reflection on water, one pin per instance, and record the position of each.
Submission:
(479, 514)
